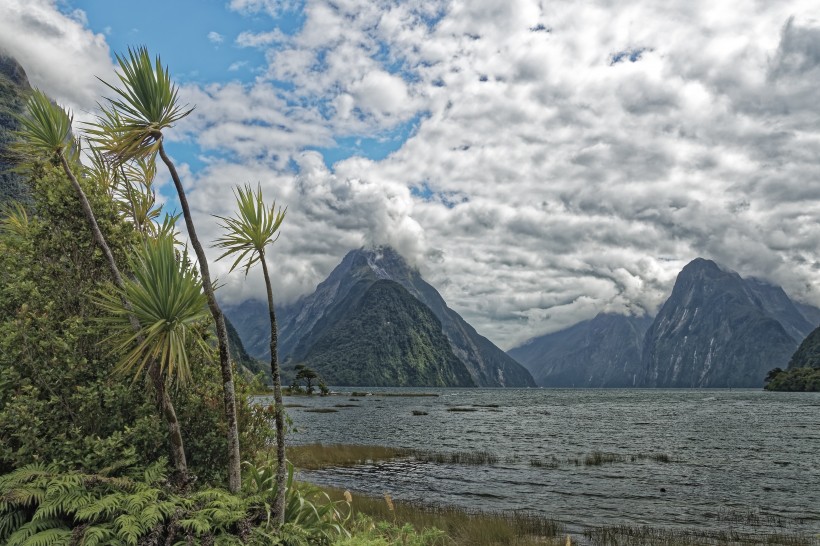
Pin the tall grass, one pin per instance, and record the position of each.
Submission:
(462, 527)
(318, 456)
(628, 535)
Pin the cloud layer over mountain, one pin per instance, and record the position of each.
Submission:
(540, 162)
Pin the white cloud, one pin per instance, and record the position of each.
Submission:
(60, 55)
(568, 158)
(215, 38)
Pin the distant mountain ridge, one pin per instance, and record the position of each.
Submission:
(304, 325)
(601, 352)
(716, 329)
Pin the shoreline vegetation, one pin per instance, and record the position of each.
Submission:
(319, 456)
(525, 528)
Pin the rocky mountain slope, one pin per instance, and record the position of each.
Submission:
(720, 330)
(602, 352)
(715, 330)
(14, 89)
(304, 323)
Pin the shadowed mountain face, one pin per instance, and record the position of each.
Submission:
(14, 89)
(602, 352)
(715, 330)
(719, 330)
(304, 323)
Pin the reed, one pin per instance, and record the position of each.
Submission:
(318, 456)
(619, 535)
(462, 527)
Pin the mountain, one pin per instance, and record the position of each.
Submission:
(807, 354)
(384, 337)
(245, 362)
(602, 352)
(304, 323)
(720, 330)
(14, 89)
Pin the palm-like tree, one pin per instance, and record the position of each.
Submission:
(166, 297)
(45, 135)
(131, 127)
(255, 227)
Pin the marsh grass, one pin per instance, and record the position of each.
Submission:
(455, 457)
(319, 456)
(461, 526)
(462, 409)
(396, 394)
(322, 410)
(628, 535)
(346, 406)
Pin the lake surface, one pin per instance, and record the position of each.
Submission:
(732, 452)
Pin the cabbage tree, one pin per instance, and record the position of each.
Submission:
(144, 104)
(247, 234)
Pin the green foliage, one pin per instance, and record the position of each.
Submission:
(39, 505)
(367, 532)
(59, 398)
(45, 130)
(794, 379)
(165, 295)
(146, 104)
(321, 519)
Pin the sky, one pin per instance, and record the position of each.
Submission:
(539, 162)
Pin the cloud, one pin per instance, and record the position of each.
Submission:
(60, 55)
(564, 158)
(215, 37)
(270, 7)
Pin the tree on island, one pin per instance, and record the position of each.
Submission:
(303, 373)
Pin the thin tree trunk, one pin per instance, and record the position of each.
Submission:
(279, 501)
(229, 394)
(164, 402)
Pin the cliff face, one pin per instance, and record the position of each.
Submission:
(14, 89)
(718, 330)
(303, 323)
(602, 352)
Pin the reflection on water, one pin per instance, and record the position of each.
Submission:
(732, 452)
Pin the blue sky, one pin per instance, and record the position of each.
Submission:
(539, 162)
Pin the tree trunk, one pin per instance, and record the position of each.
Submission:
(166, 406)
(229, 395)
(279, 501)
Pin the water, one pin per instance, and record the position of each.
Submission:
(733, 452)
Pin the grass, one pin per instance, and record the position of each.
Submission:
(318, 456)
(625, 535)
(462, 527)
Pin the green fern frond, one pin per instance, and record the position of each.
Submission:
(27, 531)
(10, 521)
(94, 535)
